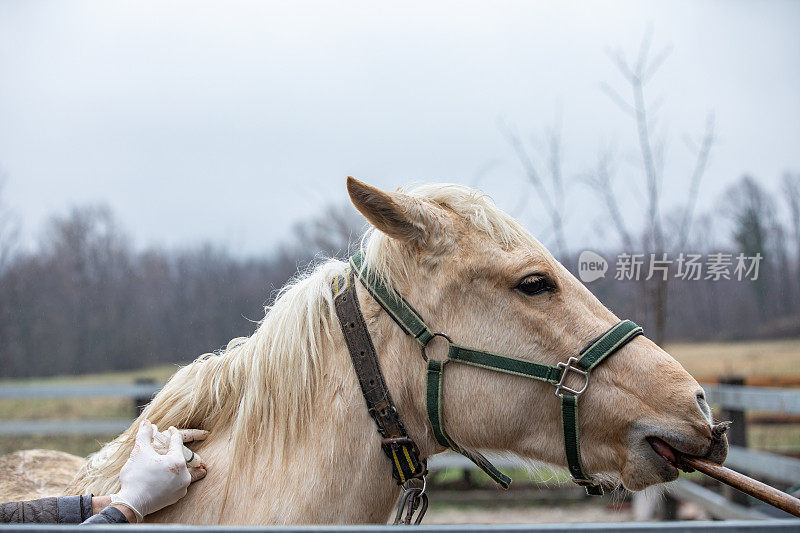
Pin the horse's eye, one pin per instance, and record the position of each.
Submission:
(535, 285)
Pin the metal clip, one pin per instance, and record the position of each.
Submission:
(413, 498)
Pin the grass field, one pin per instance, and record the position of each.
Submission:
(777, 358)
(770, 359)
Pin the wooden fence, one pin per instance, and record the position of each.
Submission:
(734, 400)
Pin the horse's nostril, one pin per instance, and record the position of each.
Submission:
(700, 397)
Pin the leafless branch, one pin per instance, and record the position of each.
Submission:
(619, 60)
(601, 182)
(553, 204)
(656, 63)
(9, 227)
(644, 50)
(649, 163)
(701, 162)
(619, 100)
(791, 192)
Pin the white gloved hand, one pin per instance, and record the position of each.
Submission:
(161, 440)
(150, 481)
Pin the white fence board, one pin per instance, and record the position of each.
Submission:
(745, 398)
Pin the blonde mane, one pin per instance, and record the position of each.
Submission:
(265, 385)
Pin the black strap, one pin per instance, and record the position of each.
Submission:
(397, 445)
(572, 446)
(592, 355)
(504, 363)
(434, 406)
(398, 308)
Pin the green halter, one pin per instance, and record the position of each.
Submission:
(412, 324)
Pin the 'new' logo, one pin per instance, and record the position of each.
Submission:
(591, 266)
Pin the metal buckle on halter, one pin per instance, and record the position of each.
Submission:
(570, 365)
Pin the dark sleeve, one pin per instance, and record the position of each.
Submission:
(65, 510)
(74, 509)
(109, 515)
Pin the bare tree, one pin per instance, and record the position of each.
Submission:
(790, 187)
(602, 181)
(638, 74)
(334, 232)
(9, 227)
(752, 211)
(551, 192)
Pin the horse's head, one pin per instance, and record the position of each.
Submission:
(474, 273)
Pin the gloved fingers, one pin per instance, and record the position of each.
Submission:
(197, 472)
(161, 442)
(192, 435)
(175, 445)
(144, 436)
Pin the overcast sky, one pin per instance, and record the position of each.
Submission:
(230, 121)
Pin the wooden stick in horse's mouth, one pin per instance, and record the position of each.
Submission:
(748, 485)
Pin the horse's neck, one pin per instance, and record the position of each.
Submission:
(404, 369)
(336, 473)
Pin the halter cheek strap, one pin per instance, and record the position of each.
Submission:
(592, 355)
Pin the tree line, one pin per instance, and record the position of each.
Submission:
(86, 301)
(764, 302)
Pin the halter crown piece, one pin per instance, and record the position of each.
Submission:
(592, 355)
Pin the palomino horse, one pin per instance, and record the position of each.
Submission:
(291, 440)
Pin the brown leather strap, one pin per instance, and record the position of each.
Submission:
(398, 446)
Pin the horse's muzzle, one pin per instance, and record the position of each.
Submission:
(718, 450)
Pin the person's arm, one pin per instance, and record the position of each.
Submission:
(44, 510)
(105, 512)
(64, 510)
(144, 481)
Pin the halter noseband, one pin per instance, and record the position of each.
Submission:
(592, 355)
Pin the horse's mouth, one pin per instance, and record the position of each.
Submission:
(716, 450)
(666, 452)
(656, 453)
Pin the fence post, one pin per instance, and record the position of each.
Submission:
(737, 435)
(139, 402)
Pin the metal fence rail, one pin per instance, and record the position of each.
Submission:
(93, 426)
(715, 504)
(754, 398)
(727, 396)
(764, 464)
(733, 526)
(77, 390)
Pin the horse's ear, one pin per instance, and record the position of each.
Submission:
(395, 214)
